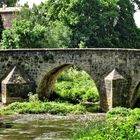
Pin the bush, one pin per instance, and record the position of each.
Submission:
(119, 111)
(119, 125)
(76, 86)
(23, 34)
(109, 130)
(135, 114)
(33, 97)
(36, 107)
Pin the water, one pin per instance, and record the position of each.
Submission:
(42, 126)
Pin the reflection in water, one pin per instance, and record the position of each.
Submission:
(42, 127)
(6, 125)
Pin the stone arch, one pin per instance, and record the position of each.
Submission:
(47, 84)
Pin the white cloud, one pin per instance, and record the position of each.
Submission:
(30, 2)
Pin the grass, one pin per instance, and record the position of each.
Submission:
(120, 124)
(37, 107)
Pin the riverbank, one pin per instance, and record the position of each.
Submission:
(120, 124)
(44, 126)
(37, 107)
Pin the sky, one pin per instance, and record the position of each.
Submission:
(137, 18)
(30, 2)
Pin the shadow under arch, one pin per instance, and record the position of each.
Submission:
(47, 84)
(135, 100)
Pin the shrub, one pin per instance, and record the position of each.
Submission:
(135, 114)
(33, 97)
(76, 86)
(23, 34)
(119, 125)
(36, 107)
(119, 111)
(109, 130)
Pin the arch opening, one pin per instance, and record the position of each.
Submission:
(68, 83)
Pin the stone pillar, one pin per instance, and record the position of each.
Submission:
(114, 88)
(16, 86)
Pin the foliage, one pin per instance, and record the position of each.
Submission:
(76, 86)
(29, 30)
(8, 2)
(33, 97)
(128, 33)
(119, 125)
(105, 23)
(120, 129)
(124, 112)
(81, 44)
(84, 23)
(119, 111)
(58, 35)
(23, 35)
(36, 107)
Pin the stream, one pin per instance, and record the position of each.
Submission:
(43, 126)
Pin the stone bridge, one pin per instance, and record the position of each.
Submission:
(116, 72)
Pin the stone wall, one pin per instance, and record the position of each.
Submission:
(46, 64)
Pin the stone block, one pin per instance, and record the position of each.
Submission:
(114, 86)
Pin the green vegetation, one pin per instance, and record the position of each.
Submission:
(23, 34)
(76, 86)
(121, 124)
(36, 107)
(96, 24)
(8, 2)
(75, 93)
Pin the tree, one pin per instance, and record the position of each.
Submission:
(100, 23)
(23, 34)
(128, 32)
(95, 23)
(8, 2)
(81, 18)
(91, 22)
(58, 35)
